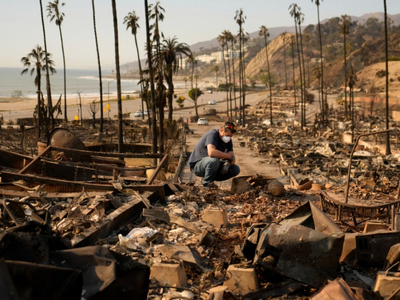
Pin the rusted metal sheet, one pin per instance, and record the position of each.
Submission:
(28, 279)
(337, 289)
(374, 247)
(301, 253)
(106, 274)
(62, 137)
(311, 216)
(273, 290)
(14, 245)
(7, 288)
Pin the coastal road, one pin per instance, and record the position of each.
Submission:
(24, 108)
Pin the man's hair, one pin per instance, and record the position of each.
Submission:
(229, 126)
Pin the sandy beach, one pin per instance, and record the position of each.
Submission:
(14, 108)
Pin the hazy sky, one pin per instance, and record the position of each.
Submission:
(190, 21)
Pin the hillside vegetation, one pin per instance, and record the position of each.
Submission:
(365, 47)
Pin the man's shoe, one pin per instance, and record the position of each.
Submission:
(210, 185)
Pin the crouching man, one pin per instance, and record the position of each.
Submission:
(213, 157)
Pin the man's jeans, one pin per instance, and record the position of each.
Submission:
(210, 169)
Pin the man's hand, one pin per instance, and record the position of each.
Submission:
(233, 159)
(225, 168)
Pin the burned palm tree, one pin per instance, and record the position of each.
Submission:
(387, 78)
(170, 52)
(240, 19)
(265, 34)
(54, 13)
(156, 13)
(118, 74)
(37, 61)
(284, 36)
(222, 42)
(99, 68)
(294, 13)
(151, 80)
(132, 22)
(48, 89)
(324, 105)
(344, 29)
(292, 43)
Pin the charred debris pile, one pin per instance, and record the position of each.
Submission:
(82, 224)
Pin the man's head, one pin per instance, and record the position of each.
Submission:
(228, 129)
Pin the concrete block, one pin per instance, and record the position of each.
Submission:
(241, 280)
(346, 138)
(215, 216)
(396, 115)
(386, 284)
(217, 293)
(169, 274)
(240, 186)
(374, 226)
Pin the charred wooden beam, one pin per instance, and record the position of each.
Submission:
(109, 154)
(157, 170)
(114, 221)
(34, 161)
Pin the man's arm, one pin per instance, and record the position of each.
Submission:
(213, 152)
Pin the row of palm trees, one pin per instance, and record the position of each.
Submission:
(163, 56)
(162, 63)
(349, 79)
(227, 42)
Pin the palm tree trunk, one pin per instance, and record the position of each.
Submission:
(99, 67)
(48, 89)
(324, 110)
(346, 112)
(269, 81)
(244, 89)
(151, 76)
(387, 80)
(294, 81)
(226, 82)
(230, 83)
(38, 102)
(240, 72)
(304, 78)
(170, 95)
(234, 81)
(216, 80)
(301, 78)
(284, 58)
(140, 75)
(65, 74)
(117, 68)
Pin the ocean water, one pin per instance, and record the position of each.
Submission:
(86, 82)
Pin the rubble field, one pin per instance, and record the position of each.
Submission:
(79, 221)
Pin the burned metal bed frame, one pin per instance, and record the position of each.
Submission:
(365, 208)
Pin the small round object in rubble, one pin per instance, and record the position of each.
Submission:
(276, 188)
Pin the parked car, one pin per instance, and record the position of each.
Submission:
(267, 122)
(138, 113)
(202, 121)
(212, 102)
